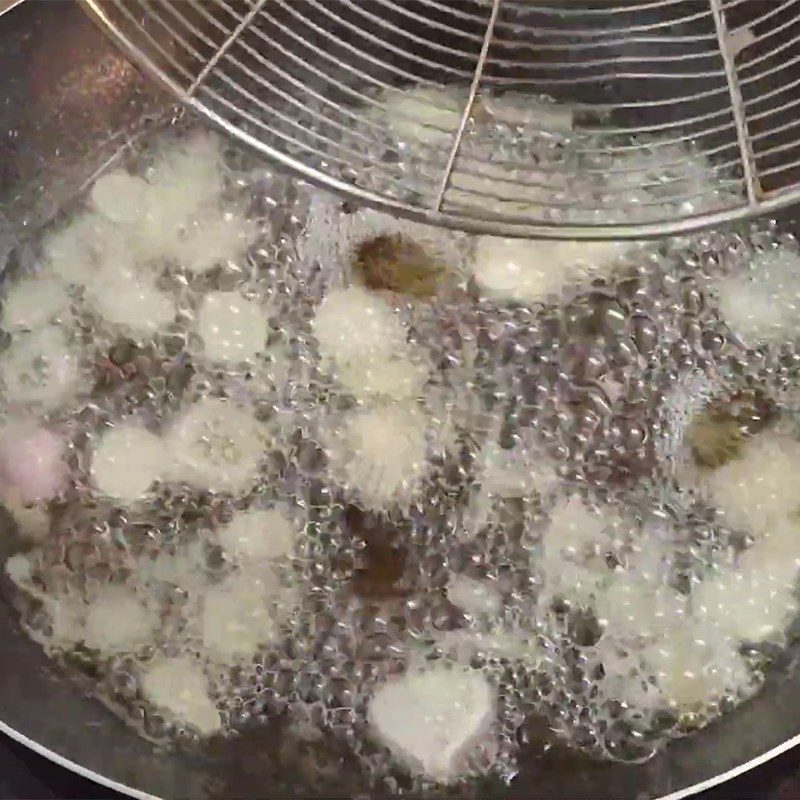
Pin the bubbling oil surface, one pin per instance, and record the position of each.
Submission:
(595, 389)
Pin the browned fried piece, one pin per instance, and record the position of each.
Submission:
(715, 437)
(381, 572)
(717, 433)
(395, 263)
(380, 569)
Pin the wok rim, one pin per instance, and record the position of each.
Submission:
(100, 779)
(139, 794)
(74, 766)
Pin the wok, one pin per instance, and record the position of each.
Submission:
(70, 100)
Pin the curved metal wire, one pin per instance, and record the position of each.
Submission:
(659, 92)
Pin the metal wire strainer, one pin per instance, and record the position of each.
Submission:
(650, 88)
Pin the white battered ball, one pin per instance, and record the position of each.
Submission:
(33, 302)
(179, 686)
(257, 535)
(127, 461)
(216, 445)
(233, 328)
(120, 197)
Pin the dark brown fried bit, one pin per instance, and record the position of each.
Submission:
(380, 566)
(715, 437)
(717, 434)
(395, 263)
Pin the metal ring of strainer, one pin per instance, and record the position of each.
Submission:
(305, 82)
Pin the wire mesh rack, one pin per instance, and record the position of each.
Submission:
(568, 119)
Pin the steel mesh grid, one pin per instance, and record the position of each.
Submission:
(307, 82)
